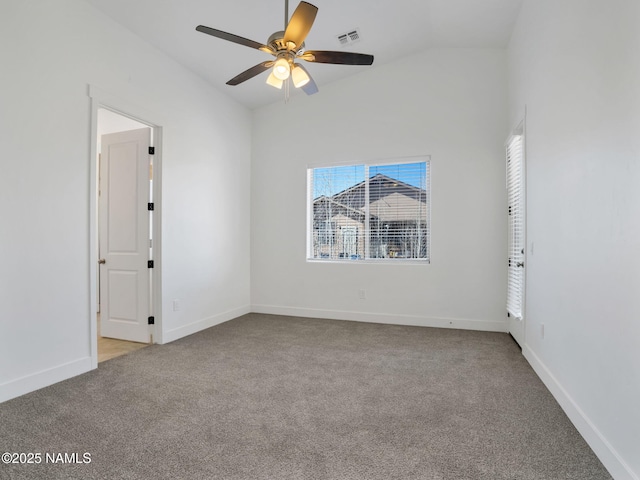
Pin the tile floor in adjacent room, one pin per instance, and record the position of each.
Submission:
(109, 348)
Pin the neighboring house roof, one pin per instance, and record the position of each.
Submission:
(381, 185)
(390, 200)
(329, 203)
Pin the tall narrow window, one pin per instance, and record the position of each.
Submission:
(374, 212)
(516, 243)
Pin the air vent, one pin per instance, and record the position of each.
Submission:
(349, 37)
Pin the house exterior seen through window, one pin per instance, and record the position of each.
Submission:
(369, 212)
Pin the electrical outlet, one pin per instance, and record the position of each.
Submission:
(176, 305)
(362, 294)
(542, 330)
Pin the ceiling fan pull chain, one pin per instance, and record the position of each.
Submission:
(287, 82)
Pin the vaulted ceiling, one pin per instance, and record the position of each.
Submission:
(388, 30)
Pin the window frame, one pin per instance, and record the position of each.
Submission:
(426, 159)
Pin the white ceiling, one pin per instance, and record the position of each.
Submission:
(390, 29)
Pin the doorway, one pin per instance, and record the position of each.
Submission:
(125, 319)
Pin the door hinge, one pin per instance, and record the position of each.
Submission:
(150, 264)
(152, 150)
(152, 320)
(150, 206)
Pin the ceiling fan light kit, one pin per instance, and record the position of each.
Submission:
(287, 46)
(299, 76)
(281, 69)
(274, 81)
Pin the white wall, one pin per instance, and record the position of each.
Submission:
(575, 64)
(50, 53)
(111, 122)
(449, 104)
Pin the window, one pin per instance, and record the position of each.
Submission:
(369, 212)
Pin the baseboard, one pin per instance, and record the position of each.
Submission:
(609, 457)
(195, 327)
(44, 378)
(388, 318)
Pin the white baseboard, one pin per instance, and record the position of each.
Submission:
(613, 462)
(388, 318)
(195, 327)
(44, 378)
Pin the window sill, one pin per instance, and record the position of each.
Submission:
(372, 261)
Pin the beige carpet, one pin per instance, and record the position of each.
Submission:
(268, 397)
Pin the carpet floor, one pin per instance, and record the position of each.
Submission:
(271, 397)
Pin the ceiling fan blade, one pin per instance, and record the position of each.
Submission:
(300, 23)
(234, 38)
(310, 87)
(250, 73)
(341, 58)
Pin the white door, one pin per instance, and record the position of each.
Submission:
(349, 239)
(516, 242)
(124, 235)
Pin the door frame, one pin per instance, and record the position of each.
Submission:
(100, 99)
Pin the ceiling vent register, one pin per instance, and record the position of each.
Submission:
(348, 38)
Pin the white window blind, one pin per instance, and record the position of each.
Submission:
(377, 212)
(516, 243)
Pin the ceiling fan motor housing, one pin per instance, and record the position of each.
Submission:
(276, 41)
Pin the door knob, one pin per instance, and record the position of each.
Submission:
(102, 261)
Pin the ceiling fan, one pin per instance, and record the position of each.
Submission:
(287, 46)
